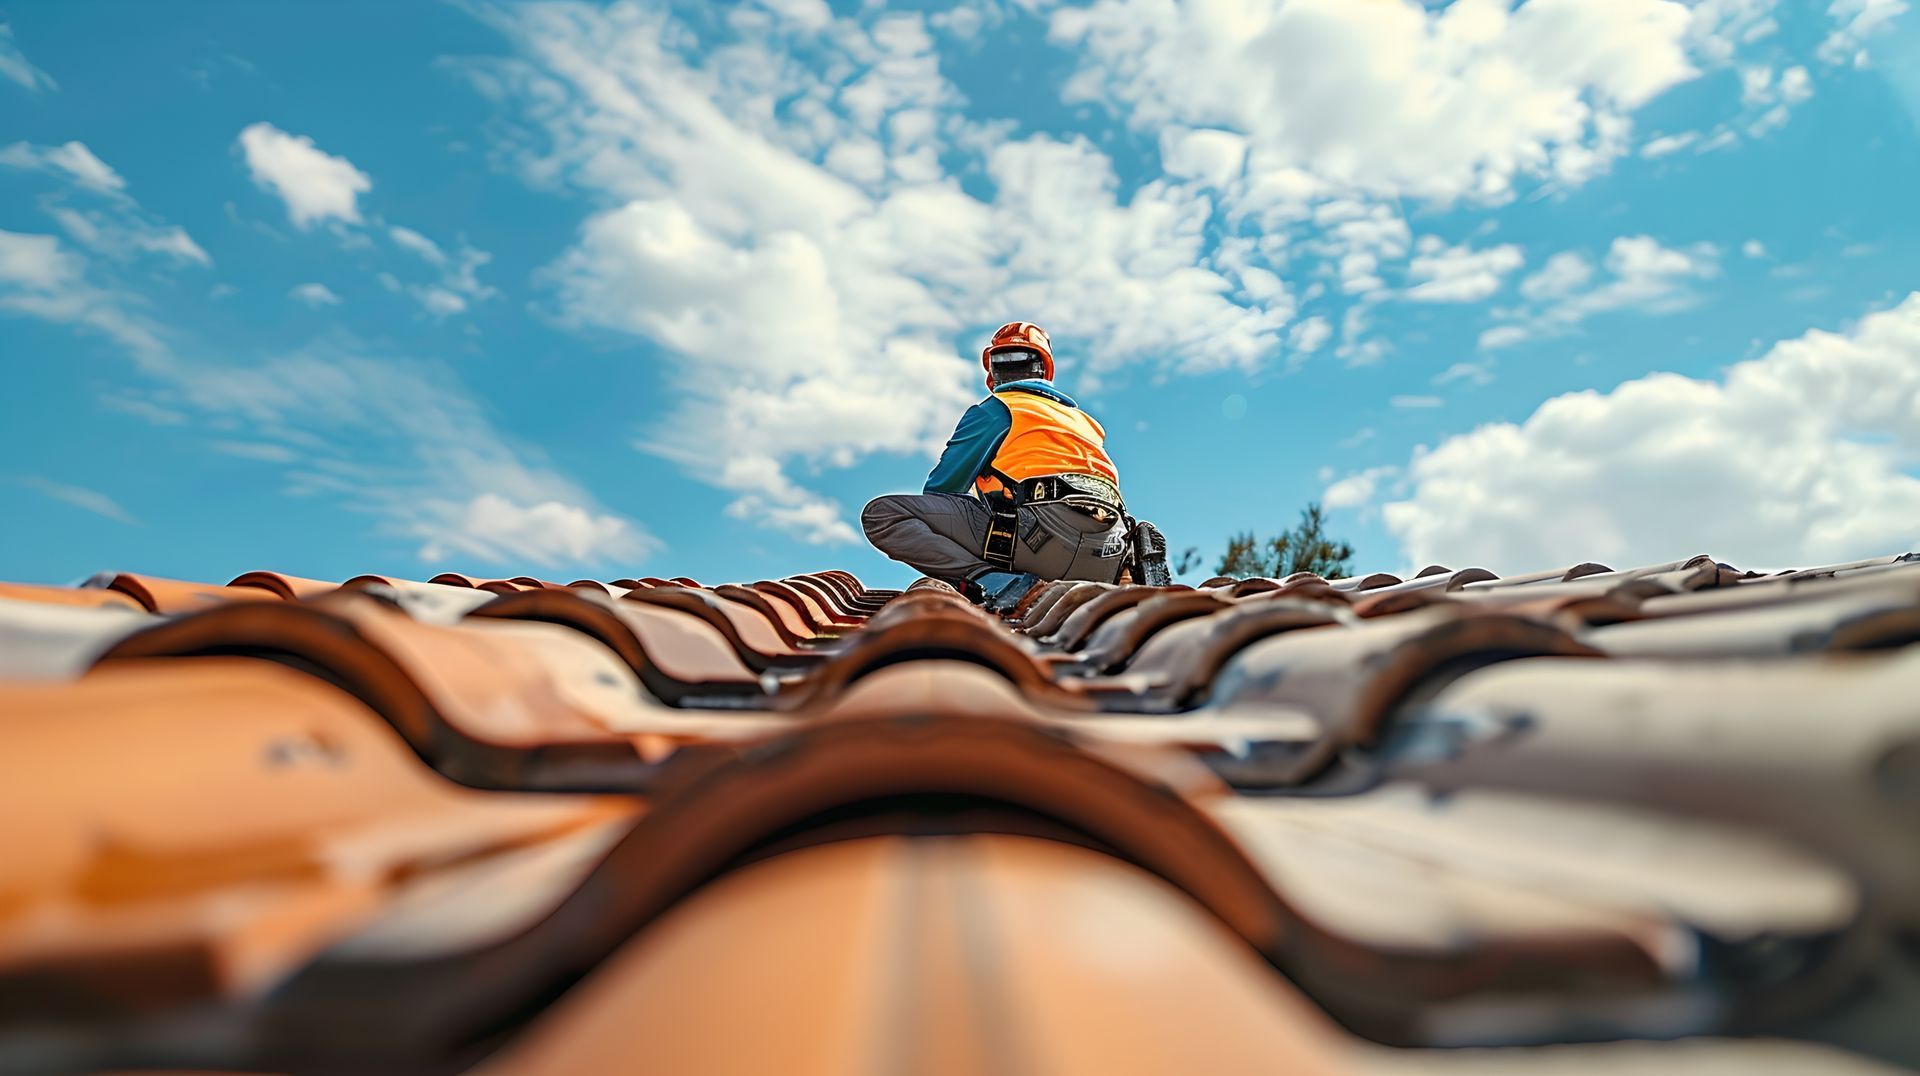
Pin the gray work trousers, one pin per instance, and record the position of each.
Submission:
(941, 534)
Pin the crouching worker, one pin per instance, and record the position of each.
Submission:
(1024, 492)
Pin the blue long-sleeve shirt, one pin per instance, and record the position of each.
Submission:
(978, 437)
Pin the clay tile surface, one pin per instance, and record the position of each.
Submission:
(1583, 819)
(169, 596)
(289, 587)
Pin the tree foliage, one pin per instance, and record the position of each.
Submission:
(1305, 548)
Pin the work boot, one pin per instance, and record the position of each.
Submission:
(998, 591)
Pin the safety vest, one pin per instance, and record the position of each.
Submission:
(1048, 437)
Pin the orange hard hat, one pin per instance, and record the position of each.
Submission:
(1021, 335)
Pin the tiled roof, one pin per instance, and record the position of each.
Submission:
(1582, 820)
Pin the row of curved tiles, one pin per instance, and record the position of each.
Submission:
(384, 825)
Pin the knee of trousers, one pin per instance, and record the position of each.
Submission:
(880, 513)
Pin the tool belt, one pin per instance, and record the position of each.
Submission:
(1088, 493)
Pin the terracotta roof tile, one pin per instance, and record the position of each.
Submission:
(1263, 825)
(54, 641)
(289, 587)
(283, 811)
(171, 596)
(83, 597)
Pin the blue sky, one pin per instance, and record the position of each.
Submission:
(571, 290)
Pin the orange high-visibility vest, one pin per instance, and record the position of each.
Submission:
(1048, 437)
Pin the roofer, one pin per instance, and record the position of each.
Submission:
(1024, 491)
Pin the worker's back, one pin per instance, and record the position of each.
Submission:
(1048, 435)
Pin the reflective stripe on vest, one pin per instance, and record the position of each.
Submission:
(1048, 437)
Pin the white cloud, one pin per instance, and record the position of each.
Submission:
(35, 261)
(498, 530)
(1356, 347)
(1390, 98)
(404, 440)
(16, 68)
(1444, 274)
(398, 438)
(80, 497)
(1642, 275)
(458, 286)
(1719, 27)
(72, 160)
(314, 295)
(1415, 402)
(812, 15)
(812, 270)
(1309, 334)
(1213, 157)
(408, 239)
(316, 186)
(1795, 85)
(1474, 373)
(1771, 101)
(1668, 144)
(1854, 22)
(1753, 248)
(1801, 456)
(115, 225)
(124, 234)
(41, 279)
(1357, 489)
(1359, 437)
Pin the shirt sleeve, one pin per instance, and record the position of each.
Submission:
(973, 445)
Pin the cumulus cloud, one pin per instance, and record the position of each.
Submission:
(1309, 334)
(1801, 456)
(315, 185)
(1390, 98)
(1444, 274)
(813, 269)
(784, 189)
(1357, 489)
(1639, 274)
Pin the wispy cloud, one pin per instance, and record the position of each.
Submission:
(314, 295)
(16, 68)
(73, 160)
(109, 222)
(458, 285)
(396, 437)
(80, 497)
(1639, 274)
